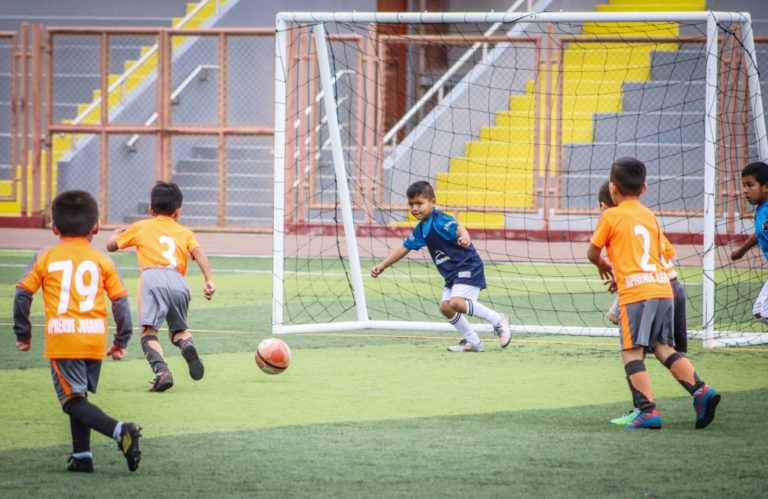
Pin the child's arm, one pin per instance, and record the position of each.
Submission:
(22, 302)
(603, 266)
(202, 261)
(121, 311)
(741, 250)
(396, 255)
(613, 313)
(464, 239)
(112, 242)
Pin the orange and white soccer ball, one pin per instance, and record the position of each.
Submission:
(273, 356)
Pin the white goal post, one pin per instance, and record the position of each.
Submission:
(353, 282)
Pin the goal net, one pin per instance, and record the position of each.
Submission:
(515, 119)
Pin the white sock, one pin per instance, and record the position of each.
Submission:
(477, 309)
(82, 455)
(118, 431)
(462, 325)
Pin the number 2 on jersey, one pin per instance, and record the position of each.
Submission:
(646, 237)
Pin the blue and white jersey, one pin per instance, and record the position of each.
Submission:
(457, 265)
(761, 227)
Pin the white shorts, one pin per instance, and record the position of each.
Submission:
(463, 290)
(760, 308)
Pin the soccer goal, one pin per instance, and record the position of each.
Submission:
(515, 119)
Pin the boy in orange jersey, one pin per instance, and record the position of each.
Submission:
(632, 238)
(162, 246)
(680, 323)
(74, 277)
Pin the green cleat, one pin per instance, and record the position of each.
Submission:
(626, 418)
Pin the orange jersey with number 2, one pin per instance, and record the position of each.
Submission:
(632, 238)
(160, 242)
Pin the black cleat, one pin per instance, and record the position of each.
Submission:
(81, 465)
(196, 369)
(129, 444)
(162, 382)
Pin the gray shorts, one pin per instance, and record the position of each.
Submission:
(164, 296)
(645, 323)
(74, 376)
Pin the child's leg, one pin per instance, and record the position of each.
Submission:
(183, 340)
(464, 298)
(153, 351)
(457, 318)
(681, 322)
(638, 379)
(679, 366)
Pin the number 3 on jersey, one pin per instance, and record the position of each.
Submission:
(87, 291)
(170, 252)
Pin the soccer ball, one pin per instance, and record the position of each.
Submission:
(273, 356)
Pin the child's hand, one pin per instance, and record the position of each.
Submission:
(737, 254)
(605, 269)
(612, 317)
(377, 270)
(117, 352)
(23, 346)
(208, 290)
(464, 241)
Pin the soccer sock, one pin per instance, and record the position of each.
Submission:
(117, 433)
(81, 437)
(184, 342)
(477, 309)
(153, 352)
(640, 385)
(683, 371)
(462, 325)
(90, 415)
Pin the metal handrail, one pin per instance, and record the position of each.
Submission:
(136, 65)
(439, 84)
(131, 143)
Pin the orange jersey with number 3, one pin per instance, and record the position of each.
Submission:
(74, 276)
(632, 238)
(160, 242)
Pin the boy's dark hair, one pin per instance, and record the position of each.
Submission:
(420, 188)
(628, 175)
(166, 198)
(74, 213)
(604, 195)
(758, 170)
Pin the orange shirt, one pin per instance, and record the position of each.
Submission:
(160, 242)
(668, 254)
(74, 276)
(633, 239)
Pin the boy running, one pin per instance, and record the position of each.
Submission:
(74, 277)
(457, 261)
(162, 246)
(632, 238)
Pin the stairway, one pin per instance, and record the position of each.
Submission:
(120, 85)
(496, 173)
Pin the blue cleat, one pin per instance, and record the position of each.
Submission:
(705, 402)
(647, 421)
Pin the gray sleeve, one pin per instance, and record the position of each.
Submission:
(22, 302)
(121, 311)
(615, 307)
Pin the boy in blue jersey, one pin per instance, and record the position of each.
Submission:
(457, 261)
(754, 183)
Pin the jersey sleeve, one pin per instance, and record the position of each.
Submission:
(447, 227)
(416, 240)
(602, 232)
(113, 283)
(192, 243)
(32, 278)
(127, 238)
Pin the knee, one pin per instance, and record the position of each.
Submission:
(446, 309)
(178, 336)
(458, 304)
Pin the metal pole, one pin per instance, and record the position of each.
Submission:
(278, 217)
(756, 97)
(329, 99)
(710, 158)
